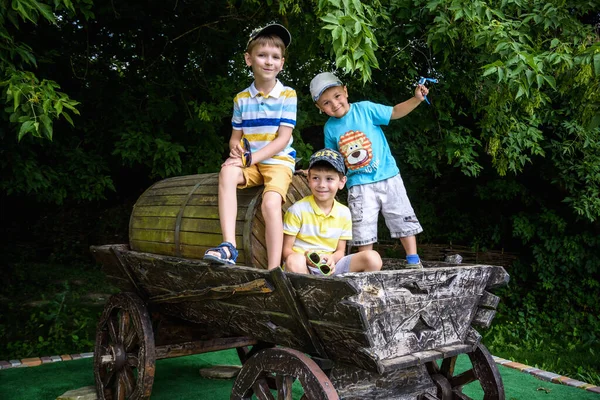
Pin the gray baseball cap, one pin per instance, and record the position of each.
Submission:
(321, 83)
(330, 156)
(272, 29)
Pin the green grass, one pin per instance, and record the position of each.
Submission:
(545, 349)
(50, 309)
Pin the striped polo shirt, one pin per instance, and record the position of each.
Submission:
(260, 115)
(314, 230)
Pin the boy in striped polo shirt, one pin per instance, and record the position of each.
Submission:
(261, 153)
(320, 224)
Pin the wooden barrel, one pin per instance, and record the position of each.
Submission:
(180, 217)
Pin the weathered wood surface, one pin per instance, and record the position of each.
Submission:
(353, 383)
(376, 321)
(414, 312)
(180, 217)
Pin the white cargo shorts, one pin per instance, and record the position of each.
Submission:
(388, 196)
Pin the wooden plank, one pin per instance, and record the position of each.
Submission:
(258, 286)
(286, 290)
(489, 301)
(210, 212)
(353, 383)
(168, 249)
(199, 347)
(483, 317)
(422, 357)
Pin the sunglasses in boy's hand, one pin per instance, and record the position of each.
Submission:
(247, 155)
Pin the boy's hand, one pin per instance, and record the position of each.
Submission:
(236, 151)
(421, 91)
(329, 261)
(233, 161)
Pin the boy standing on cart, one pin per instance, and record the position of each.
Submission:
(261, 153)
(374, 181)
(317, 227)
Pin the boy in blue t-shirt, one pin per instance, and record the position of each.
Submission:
(374, 182)
(261, 153)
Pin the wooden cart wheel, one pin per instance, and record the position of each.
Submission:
(277, 368)
(483, 369)
(124, 357)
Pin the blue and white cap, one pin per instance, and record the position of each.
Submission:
(332, 157)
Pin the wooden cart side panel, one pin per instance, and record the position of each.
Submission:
(111, 265)
(414, 311)
(160, 275)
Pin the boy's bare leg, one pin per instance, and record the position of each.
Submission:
(365, 260)
(296, 263)
(271, 210)
(410, 244)
(229, 178)
(365, 247)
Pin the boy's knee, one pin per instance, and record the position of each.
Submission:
(373, 260)
(296, 263)
(271, 203)
(230, 174)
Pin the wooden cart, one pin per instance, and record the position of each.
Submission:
(393, 334)
(363, 336)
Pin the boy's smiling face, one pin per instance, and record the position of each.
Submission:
(266, 62)
(334, 101)
(324, 184)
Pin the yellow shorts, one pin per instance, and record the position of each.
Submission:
(276, 178)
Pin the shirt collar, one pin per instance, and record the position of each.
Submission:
(318, 210)
(275, 92)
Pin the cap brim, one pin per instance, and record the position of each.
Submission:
(324, 88)
(275, 29)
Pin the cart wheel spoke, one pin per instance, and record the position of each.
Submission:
(463, 379)
(123, 326)
(131, 340)
(284, 387)
(484, 371)
(262, 390)
(283, 366)
(132, 360)
(447, 368)
(108, 378)
(119, 388)
(112, 329)
(129, 380)
(124, 356)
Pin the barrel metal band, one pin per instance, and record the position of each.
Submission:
(180, 216)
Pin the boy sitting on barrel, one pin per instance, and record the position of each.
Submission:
(261, 152)
(317, 227)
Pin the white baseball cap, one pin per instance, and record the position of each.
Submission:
(321, 83)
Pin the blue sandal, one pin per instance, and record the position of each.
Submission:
(222, 257)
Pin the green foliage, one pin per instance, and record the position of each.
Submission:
(353, 41)
(558, 339)
(35, 104)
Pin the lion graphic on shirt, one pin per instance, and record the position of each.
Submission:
(356, 149)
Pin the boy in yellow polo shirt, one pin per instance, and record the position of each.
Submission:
(317, 227)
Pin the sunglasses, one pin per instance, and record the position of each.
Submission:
(247, 156)
(314, 260)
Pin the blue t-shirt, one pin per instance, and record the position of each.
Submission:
(360, 139)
